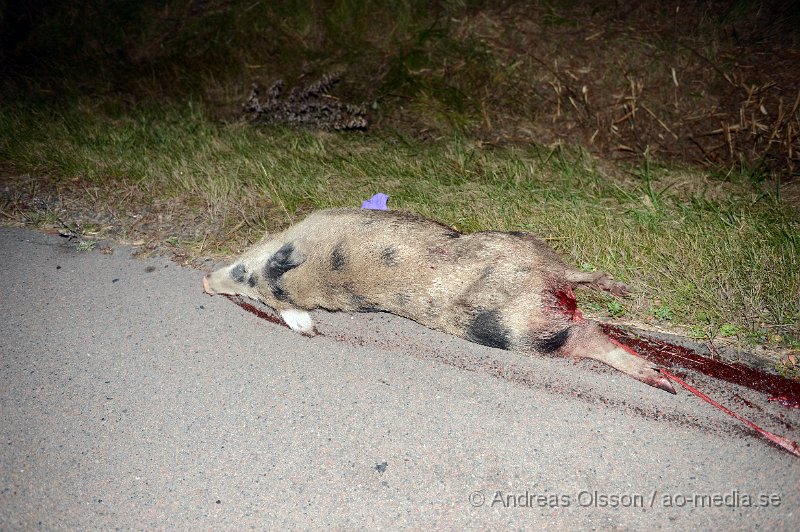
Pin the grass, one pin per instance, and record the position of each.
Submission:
(705, 255)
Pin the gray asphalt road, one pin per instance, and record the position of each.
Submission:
(130, 399)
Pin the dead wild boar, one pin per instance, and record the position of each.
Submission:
(504, 290)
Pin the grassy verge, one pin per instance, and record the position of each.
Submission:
(709, 256)
(623, 78)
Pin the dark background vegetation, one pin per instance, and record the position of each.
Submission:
(713, 82)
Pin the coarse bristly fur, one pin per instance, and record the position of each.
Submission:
(503, 290)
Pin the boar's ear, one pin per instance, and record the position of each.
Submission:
(283, 260)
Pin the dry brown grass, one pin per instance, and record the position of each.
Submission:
(632, 80)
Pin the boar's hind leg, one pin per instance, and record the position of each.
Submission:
(597, 280)
(588, 341)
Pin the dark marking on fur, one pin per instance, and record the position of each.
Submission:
(452, 234)
(362, 304)
(487, 329)
(518, 233)
(338, 258)
(238, 272)
(389, 256)
(252, 280)
(358, 301)
(286, 258)
(551, 344)
(401, 299)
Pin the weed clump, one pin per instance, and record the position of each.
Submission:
(310, 107)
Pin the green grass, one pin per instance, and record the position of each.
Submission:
(714, 257)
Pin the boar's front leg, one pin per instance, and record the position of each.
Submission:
(298, 320)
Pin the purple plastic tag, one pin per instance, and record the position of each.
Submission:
(376, 202)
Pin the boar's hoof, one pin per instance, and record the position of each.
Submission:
(654, 378)
(635, 366)
(298, 320)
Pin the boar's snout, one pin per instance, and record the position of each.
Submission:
(206, 288)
